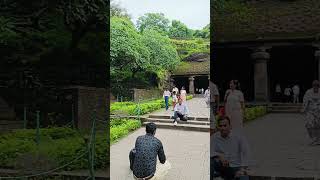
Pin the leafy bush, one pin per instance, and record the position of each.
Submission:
(61, 145)
(119, 131)
(146, 107)
(251, 113)
(254, 113)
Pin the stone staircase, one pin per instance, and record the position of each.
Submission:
(284, 108)
(8, 119)
(193, 124)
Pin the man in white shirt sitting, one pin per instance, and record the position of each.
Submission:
(180, 111)
(229, 153)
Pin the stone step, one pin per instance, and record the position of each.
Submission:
(284, 107)
(283, 111)
(284, 104)
(168, 117)
(186, 127)
(180, 122)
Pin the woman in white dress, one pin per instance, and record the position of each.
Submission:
(234, 105)
(311, 109)
(183, 94)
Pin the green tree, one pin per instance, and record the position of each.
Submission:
(127, 51)
(31, 29)
(203, 33)
(117, 10)
(163, 54)
(179, 30)
(155, 21)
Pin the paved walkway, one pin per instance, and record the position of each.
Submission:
(279, 144)
(197, 107)
(187, 151)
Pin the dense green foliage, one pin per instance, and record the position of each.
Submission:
(179, 30)
(127, 51)
(40, 38)
(163, 54)
(138, 57)
(131, 108)
(142, 56)
(254, 112)
(186, 48)
(122, 127)
(154, 21)
(59, 145)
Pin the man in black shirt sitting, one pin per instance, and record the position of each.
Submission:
(143, 158)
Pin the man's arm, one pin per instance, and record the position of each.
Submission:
(161, 155)
(175, 108)
(186, 111)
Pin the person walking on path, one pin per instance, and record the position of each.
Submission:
(207, 96)
(166, 95)
(234, 105)
(183, 94)
(175, 89)
(296, 92)
(278, 93)
(287, 94)
(143, 158)
(181, 111)
(214, 106)
(311, 110)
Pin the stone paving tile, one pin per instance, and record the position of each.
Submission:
(197, 107)
(187, 151)
(279, 144)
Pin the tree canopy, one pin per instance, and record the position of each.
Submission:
(179, 30)
(154, 21)
(30, 30)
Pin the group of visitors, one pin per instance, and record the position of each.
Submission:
(229, 149)
(290, 94)
(175, 96)
(200, 90)
(179, 106)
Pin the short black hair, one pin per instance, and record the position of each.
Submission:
(223, 118)
(151, 128)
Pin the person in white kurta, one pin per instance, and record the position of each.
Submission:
(234, 105)
(183, 94)
(311, 109)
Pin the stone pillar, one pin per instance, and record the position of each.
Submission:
(261, 58)
(191, 85)
(317, 56)
(86, 101)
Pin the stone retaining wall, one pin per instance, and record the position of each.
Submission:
(144, 94)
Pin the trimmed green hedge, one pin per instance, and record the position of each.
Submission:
(252, 113)
(59, 145)
(122, 127)
(131, 108)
